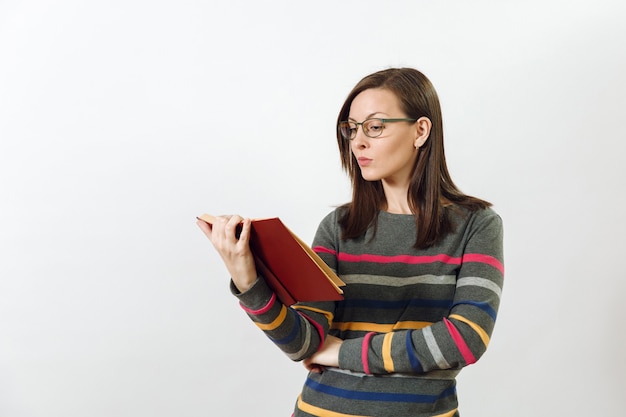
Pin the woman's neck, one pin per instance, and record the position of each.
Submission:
(396, 199)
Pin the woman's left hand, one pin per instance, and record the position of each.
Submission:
(328, 355)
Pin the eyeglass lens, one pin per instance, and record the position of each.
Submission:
(371, 127)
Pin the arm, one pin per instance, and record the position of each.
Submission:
(298, 330)
(460, 338)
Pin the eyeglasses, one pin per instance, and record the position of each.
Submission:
(372, 128)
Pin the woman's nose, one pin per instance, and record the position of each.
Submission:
(360, 139)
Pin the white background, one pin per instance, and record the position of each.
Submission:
(120, 121)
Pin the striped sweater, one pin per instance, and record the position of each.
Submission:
(410, 320)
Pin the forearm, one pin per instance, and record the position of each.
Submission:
(296, 333)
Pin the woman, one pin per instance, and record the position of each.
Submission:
(422, 262)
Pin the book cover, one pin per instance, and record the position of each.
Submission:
(289, 266)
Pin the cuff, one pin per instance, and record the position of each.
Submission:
(350, 355)
(257, 296)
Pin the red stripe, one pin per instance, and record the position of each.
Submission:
(364, 349)
(485, 259)
(317, 326)
(408, 259)
(262, 310)
(321, 249)
(468, 356)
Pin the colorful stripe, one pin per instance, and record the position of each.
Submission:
(275, 323)
(379, 328)
(386, 352)
(450, 413)
(290, 336)
(319, 411)
(467, 354)
(377, 396)
(484, 259)
(395, 304)
(481, 305)
(263, 309)
(434, 349)
(364, 349)
(479, 330)
(410, 350)
(404, 259)
(329, 316)
(414, 259)
(318, 327)
(480, 282)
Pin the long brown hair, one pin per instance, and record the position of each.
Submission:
(431, 190)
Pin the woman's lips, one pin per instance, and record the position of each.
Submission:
(364, 161)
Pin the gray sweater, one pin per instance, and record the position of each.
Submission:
(410, 320)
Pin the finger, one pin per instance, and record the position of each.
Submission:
(219, 225)
(313, 367)
(205, 227)
(215, 234)
(231, 226)
(244, 237)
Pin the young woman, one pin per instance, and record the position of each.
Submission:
(422, 262)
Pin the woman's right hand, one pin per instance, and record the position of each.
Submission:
(234, 251)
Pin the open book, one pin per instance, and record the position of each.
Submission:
(288, 265)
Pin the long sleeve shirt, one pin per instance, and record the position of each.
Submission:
(410, 318)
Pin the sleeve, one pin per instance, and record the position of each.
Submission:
(460, 338)
(298, 330)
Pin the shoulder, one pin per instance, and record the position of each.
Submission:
(328, 230)
(465, 215)
(333, 217)
(487, 214)
(485, 221)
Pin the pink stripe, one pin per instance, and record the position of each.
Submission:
(364, 349)
(407, 259)
(262, 310)
(321, 249)
(468, 356)
(317, 327)
(485, 259)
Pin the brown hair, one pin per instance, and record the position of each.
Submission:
(431, 189)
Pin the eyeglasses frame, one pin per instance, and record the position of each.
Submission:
(383, 121)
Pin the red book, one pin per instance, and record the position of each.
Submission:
(288, 265)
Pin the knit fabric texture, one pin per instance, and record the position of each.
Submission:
(410, 319)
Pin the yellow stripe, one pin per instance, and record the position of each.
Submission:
(317, 411)
(447, 413)
(379, 328)
(387, 359)
(481, 332)
(277, 321)
(329, 316)
(411, 325)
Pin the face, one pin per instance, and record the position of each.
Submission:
(389, 157)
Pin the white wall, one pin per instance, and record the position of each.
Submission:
(120, 121)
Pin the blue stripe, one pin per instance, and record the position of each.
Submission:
(482, 305)
(410, 350)
(413, 302)
(294, 332)
(376, 396)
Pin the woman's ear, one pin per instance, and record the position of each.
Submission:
(422, 131)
